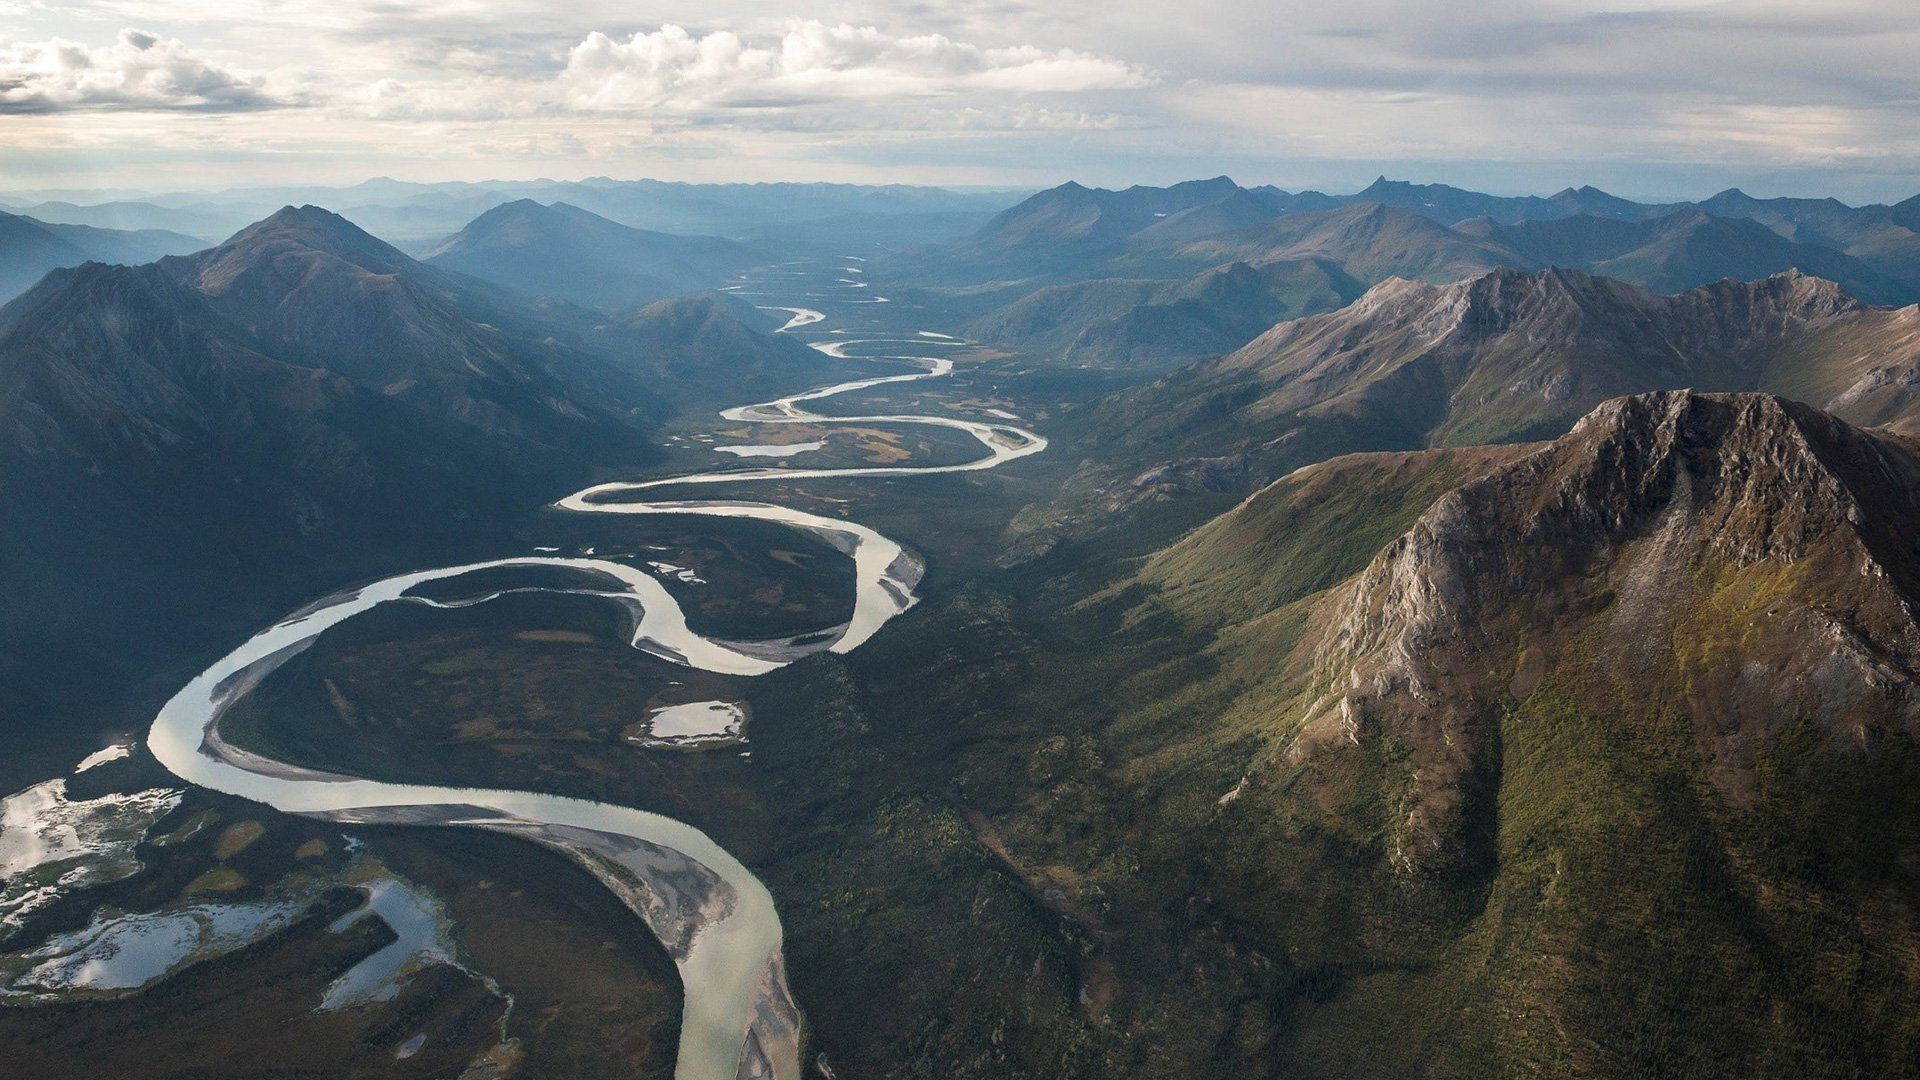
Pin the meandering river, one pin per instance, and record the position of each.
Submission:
(715, 918)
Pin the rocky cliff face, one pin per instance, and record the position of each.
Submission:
(1741, 559)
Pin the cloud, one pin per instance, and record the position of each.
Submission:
(139, 70)
(1524, 94)
(672, 69)
(478, 98)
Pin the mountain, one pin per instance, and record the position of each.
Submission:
(1590, 201)
(419, 215)
(1448, 205)
(1369, 241)
(1298, 202)
(1906, 213)
(1240, 209)
(202, 220)
(29, 248)
(317, 290)
(1076, 233)
(1154, 325)
(564, 251)
(126, 375)
(707, 350)
(1822, 221)
(776, 210)
(1679, 251)
(163, 473)
(1512, 356)
(1596, 757)
(1880, 236)
(205, 442)
(125, 247)
(1072, 223)
(1689, 619)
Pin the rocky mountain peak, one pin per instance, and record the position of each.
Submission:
(294, 244)
(1807, 297)
(1592, 556)
(320, 228)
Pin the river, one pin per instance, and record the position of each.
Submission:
(714, 917)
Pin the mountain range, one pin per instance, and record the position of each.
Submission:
(231, 425)
(1337, 784)
(320, 292)
(1477, 637)
(1429, 233)
(419, 215)
(1156, 324)
(29, 248)
(1504, 357)
(1138, 280)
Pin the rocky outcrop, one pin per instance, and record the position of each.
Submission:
(1612, 545)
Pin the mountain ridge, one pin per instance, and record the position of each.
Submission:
(29, 248)
(563, 250)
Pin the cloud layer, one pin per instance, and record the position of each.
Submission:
(670, 68)
(138, 70)
(1657, 97)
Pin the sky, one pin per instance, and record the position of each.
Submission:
(1646, 98)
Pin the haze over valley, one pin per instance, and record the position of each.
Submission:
(740, 547)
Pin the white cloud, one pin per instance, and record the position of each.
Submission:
(672, 69)
(139, 70)
(1524, 94)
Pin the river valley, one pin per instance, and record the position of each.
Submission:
(717, 921)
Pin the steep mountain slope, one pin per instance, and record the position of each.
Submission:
(29, 248)
(1301, 798)
(1312, 526)
(1152, 325)
(161, 472)
(1690, 619)
(562, 250)
(116, 371)
(318, 291)
(1515, 356)
(1659, 510)
(1906, 212)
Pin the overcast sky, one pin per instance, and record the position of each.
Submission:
(1651, 98)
